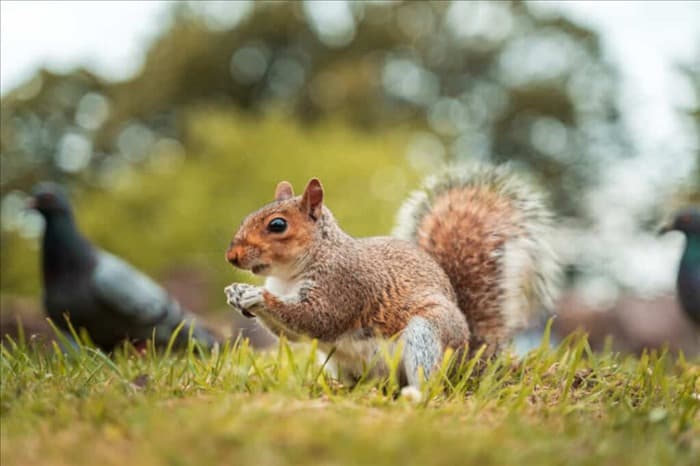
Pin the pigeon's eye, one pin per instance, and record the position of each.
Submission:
(277, 225)
(47, 198)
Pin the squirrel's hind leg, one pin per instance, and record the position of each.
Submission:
(422, 350)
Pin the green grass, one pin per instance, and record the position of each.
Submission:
(240, 406)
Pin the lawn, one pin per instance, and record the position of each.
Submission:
(236, 405)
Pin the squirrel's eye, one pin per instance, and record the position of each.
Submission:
(277, 225)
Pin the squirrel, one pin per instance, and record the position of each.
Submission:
(469, 264)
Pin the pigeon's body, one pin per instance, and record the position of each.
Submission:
(688, 281)
(100, 292)
(689, 278)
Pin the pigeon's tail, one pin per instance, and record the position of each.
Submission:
(200, 334)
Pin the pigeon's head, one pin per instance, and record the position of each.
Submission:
(686, 220)
(276, 239)
(49, 199)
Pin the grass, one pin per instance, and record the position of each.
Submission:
(235, 405)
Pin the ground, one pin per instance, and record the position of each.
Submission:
(235, 405)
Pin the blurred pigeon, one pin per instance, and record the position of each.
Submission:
(98, 291)
(688, 221)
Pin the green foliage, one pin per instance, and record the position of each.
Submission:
(235, 405)
(486, 79)
(185, 211)
(692, 74)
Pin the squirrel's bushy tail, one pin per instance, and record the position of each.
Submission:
(489, 229)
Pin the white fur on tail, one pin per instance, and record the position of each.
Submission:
(530, 272)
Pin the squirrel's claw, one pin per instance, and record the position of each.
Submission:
(244, 297)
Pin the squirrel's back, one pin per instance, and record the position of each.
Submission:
(490, 232)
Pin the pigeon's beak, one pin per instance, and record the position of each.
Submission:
(31, 203)
(665, 229)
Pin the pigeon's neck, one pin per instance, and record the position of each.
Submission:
(64, 249)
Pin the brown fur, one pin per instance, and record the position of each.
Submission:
(450, 277)
(353, 284)
(482, 221)
(490, 230)
(254, 245)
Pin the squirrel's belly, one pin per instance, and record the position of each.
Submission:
(357, 356)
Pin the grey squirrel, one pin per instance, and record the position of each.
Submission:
(469, 264)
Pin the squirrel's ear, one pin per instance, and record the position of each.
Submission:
(284, 191)
(312, 200)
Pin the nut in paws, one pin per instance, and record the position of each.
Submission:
(244, 297)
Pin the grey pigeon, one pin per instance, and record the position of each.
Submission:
(100, 292)
(688, 283)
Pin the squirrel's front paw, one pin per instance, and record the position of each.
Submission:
(244, 297)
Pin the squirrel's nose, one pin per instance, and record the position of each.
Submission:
(232, 256)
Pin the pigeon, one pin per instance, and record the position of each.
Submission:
(688, 282)
(100, 292)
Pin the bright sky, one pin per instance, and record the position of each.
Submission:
(105, 36)
(645, 39)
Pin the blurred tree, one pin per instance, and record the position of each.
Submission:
(485, 80)
(181, 212)
(693, 74)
